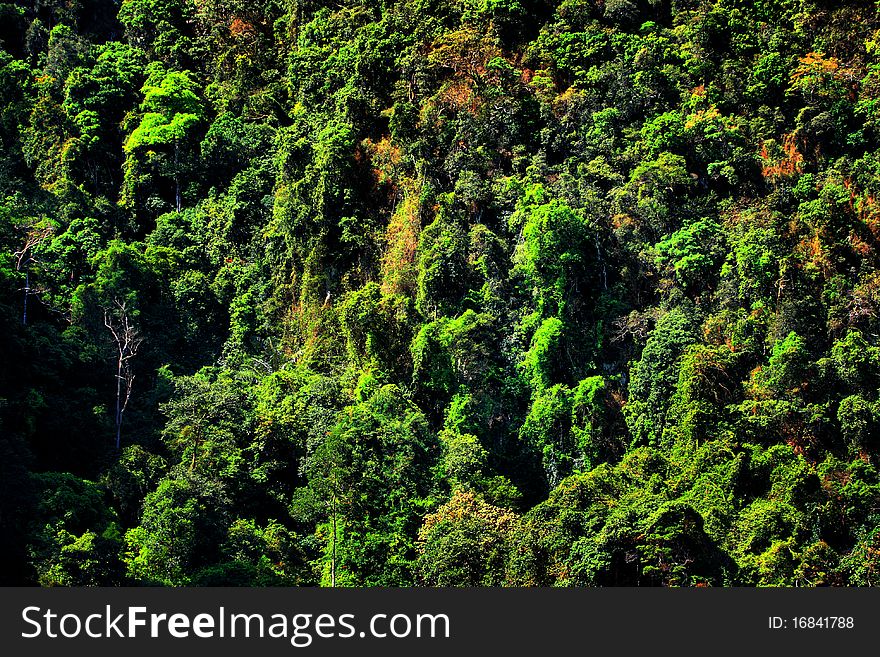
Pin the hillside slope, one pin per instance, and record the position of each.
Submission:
(492, 292)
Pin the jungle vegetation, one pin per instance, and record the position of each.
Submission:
(416, 292)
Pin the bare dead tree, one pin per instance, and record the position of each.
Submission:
(635, 326)
(25, 257)
(127, 340)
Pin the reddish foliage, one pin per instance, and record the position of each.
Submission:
(239, 28)
(788, 165)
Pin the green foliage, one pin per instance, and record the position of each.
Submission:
(542, 360)
(180, 531)
(487, 293)
(555, 253)
(161, 143)
(76, 541)
(548, 428)
(654, 375)
(788, 367)
(465, 543)
(693, 253)
(597, 423)
(443, 269)
(369, 482)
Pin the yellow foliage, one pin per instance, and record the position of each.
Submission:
(401, 242)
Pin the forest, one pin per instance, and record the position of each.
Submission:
(391, 293)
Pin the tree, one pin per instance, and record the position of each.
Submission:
(127, 340)
(493, 292)
(557, 253)
(443, 271)
(654, 376)
(171, 113)
(182, 528)
(74, 538)
(370, 480)
(547, 428)
(208, 421)
(465, 543)
(97, 98)
(37, 233)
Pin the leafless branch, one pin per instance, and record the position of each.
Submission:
(33, 238)
(127, 341)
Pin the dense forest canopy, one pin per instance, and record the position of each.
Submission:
(416, 292)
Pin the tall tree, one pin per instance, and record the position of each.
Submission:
(127, 340)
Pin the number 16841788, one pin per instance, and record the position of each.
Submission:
(811, 623)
